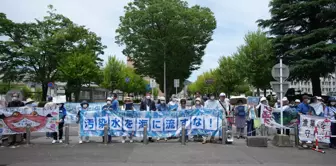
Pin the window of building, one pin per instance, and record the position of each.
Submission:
(329, 83)
(329, 89)
(322, 83)
(323, 89)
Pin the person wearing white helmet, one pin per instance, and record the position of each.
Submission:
(260, 108)
(285, 106)
(224, 103)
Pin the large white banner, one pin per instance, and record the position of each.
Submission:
(311, 125)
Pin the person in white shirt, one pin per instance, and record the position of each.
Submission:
(212, 103)
(285, 106)
(225, 105)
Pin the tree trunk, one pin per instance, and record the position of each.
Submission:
(265, 92)
(258, 92)
(44, 91)
(316, 84)
(68, 95)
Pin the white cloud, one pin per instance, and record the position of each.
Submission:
(234, 19)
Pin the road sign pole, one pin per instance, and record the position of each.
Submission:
(176, 91)
(281, 103)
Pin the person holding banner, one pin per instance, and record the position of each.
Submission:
(330, 112)
(183, 105)
(106, 111)
(16, 102)
(213, 104)
(128, 107)
(147, 104)
(162, 106)
(62, 114)
(304, 109)
(173, 104)
(240, 113)
(84, 107)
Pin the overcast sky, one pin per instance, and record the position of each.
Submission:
(234, 19)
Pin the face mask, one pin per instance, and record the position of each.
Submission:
(263, 102)
(212, 97)
(308, 101)
(15, 98)
(332, 103)
(148, 97)
(85, 105)
(108, 102)
(197, 102)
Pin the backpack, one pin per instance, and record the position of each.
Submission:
(241, 111)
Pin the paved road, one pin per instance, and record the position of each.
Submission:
(170, 153)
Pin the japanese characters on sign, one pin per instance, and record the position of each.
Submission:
(159, 124)
(310, 126)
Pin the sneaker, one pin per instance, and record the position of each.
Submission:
(131, 141)
(60, 141)
(80, 142)
(54, 141)
(12, 147)
(123, 141)
(304, 146)
(158, 139)
(166, 139)
(87, 141)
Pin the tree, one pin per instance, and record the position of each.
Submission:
(158, 31)
(112, 73)
(304, 35)
(228, 74)
(78, 69)
(131, 82)
(34, 49)
(255, 60)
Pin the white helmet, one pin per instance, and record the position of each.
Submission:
(222, 94)
(263, 99)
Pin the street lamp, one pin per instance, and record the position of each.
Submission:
(164, 44)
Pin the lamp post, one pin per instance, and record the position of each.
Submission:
(164, 45)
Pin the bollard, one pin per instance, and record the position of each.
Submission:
(183, 139)
(28, 134)
(105, 134)
(145, 139)
(67, 134)
(262, 130)
(296, 135)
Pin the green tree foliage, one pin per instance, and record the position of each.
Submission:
(5, 87)
(34, 51)
(78, 69)
(255, 60)
(115, 74)
(305, 35)
(154, 31)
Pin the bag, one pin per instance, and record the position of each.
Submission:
(241, 111)
(256, 123)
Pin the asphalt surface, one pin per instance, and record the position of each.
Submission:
(41, 153)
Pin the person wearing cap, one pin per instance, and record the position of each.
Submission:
(62, 114)
(16, 102)
(304, 108)
(162, 106)
(297, 102)
(128, 104)
(197, 95)
(147, 104)
(240, 112)
(224, 104)
(173, 104)
(330, 113)
(198, 104)
(212, 104)
(84, 107)
(260, 108)
(128, 107)
(285, 106)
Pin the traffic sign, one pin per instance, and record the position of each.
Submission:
(152, 83)
(127, 79)
(276, 87)
(209, 81)
(176, 83)
(148, 87)
(276, 72)
(50, 84)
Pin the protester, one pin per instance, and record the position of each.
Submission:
(198, 104)
(183, 105)
(84, 107)
(158, 103)
(250, 120)
(240, 118)
(128, 104)
(304, 109)
(330, 112)
(277, 104)
(128, 107)
(213, 104)
(297, 102)
(225, 105)
(115, 102)
(147, 104)
(62, 114)
(197, 95)
(107, 112)
(162, 106)
(50, 105)
(318, 105)
(173, 104)
(16, 102)
(285, 106)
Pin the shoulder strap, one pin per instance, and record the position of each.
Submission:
(222, 105)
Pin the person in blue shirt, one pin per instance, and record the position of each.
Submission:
(106, 111)
(162, 106)
(115, 102)
(304, 108)
(62, 113)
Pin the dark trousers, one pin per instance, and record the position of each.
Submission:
(333, 132)
(109, 139)
(60, 131)
(250, 128)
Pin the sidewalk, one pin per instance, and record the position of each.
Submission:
(42, 153)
